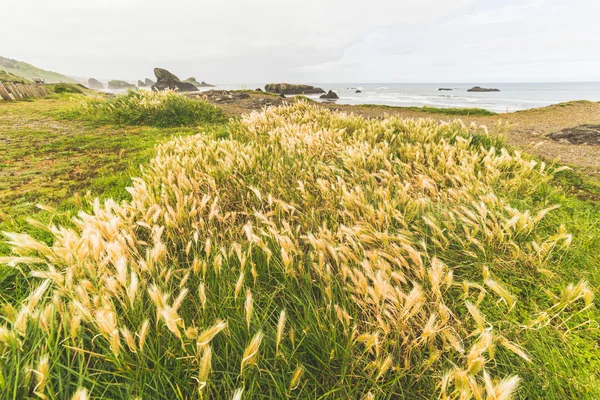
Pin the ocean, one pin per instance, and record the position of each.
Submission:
(512, 96)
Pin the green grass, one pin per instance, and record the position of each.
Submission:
(48, 161)
(28, 71)
(8, 77)
(473, 112)
(136, 107)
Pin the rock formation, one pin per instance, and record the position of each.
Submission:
(141, 83)
(286, 88)
(358, 91)
(95, 84)
(331, 95)
(446, 89)
(166, 80)
(480, 89)
(149, 82)
(194, 82)
(116, 84)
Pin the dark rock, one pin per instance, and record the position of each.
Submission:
(194, 82)
(166, 80)
(258, 90)
(331, 95)
(480, 89)
(358, 91)
(149, 82)
(282, 96)
(443, 88)
(116, 84)
(95, 84)
(581, 134)
(287, 88)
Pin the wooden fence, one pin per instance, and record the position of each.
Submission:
(17, 91)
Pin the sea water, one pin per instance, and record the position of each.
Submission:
(511, 97)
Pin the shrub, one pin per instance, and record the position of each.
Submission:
(64, 88)
(310, 255)
(141, 107)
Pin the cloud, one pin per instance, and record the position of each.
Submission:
(309, 40)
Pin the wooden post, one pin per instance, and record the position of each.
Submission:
(3, 93)
(20, 90)
(28, 91)
(34, 91)
(13, 90)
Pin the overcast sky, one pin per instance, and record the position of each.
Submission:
(255, 41)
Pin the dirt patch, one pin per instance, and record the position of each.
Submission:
(582, 134)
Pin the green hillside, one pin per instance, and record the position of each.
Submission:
(7, 77)
(28, 71)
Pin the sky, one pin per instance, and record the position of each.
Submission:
(303, 41)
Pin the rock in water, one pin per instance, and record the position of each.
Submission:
(149, 82)
(480, 89)
(194, 82)
(331, 95)
(166, 80)
(287, 88)
(116, 84)
(446, 89)
(95, 84)
(358, 91)
(258, 90)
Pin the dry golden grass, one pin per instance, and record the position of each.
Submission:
(387, 230)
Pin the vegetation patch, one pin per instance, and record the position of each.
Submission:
(473, 112)
(141, 107)
(8, 77)
(311, 254)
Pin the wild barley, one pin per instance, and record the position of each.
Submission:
(237, 395)
(143, 333)
(80, 394)
(250, 355)
(202, 294)
(280, 328)
(205, 365)
(501, 391)
(207, 335)
(248, 307)
(295, 381)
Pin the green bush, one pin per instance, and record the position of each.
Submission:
(66, 88)
(160, 109)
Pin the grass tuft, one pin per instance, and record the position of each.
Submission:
(140, 107)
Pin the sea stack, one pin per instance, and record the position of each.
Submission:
(166, 80)
(287, 88)
(116, 84)
(95, 84)
(331, 95)
(480, 89)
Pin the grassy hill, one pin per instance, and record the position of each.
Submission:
(28, 71)
(8, 77)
